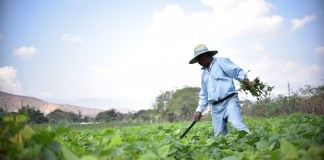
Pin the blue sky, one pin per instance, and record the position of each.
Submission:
(127, 51)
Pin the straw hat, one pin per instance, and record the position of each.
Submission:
(201, 49)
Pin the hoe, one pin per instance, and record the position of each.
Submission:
(193, 123)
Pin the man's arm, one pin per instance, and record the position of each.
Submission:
(232, 70)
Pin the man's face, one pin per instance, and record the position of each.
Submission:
(204, 60)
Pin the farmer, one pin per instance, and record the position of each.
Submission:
(218, 90)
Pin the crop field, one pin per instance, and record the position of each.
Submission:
(286, 137)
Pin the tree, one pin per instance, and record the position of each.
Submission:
(177, 105)
(183, 103)
(3, 113)
(162, 103)
(107, 116)
(86, 119)
(35, 116)
(79, 116)
(246, 107)
(141, 116)
(59, 115)
(312, 100)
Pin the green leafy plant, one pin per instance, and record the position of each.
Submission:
(288, 137)
(256, 88)
(18, 140)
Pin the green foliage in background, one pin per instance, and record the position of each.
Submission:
(178, 105)
(59, 116)
(309, 100)
(108, 116)
(36, 116)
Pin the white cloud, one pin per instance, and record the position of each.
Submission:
(317, 69)
(98, 70)
(68, 38)
(169, 45)
(257, 46)
(1, 37)
(159, 58)
(8, 80)
(228, 19)
(278, 72)
(319, 51)
(299, 23)
(46, 94)
(25, 52)
(174, 34)
(173, 31)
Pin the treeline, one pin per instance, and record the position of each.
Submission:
(35, 116)
(179, 105)
(172, 106)
(169, 106)
(307, 100)
(59, 116)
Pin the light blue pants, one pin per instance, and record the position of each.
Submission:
(227, 111)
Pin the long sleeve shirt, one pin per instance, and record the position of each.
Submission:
(217, 82)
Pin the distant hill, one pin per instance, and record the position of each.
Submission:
(123, 105)
(11, 102)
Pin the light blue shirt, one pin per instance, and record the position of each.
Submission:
(218, 82)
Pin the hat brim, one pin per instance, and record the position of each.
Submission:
(194, 60)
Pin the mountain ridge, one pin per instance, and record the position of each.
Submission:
(11, 103)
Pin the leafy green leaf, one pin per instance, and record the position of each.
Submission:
(275, 155)
(108, 132)
(60, 130)
(229, 158)
(47, 154)
(288, 149)
(163, 151)
(148, 156)
(115, 141)
(43, 138)
(314, 152)
(262, 145)
(88, 157)
(67, 154)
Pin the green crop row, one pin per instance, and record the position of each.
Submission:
(290, 137)
(293, 137)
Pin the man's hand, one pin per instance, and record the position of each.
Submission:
(247, 83)
(257, 88)
(197, 116)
